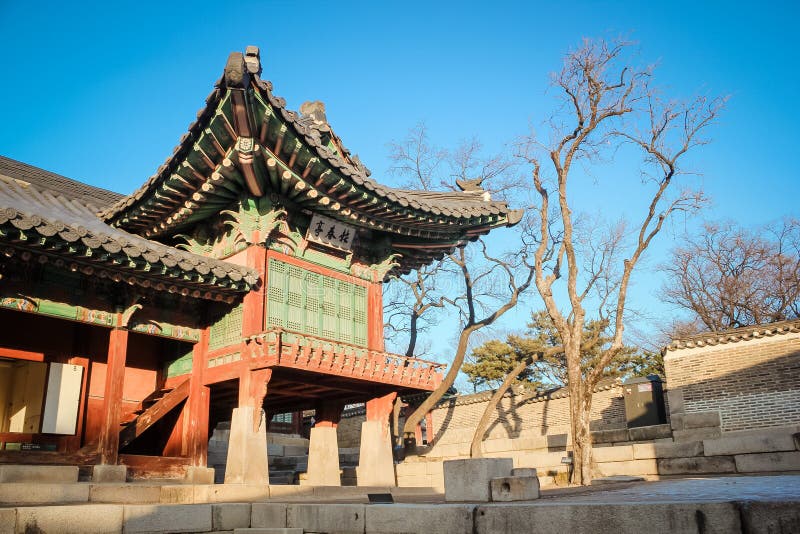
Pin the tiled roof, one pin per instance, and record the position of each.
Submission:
(735, 335)
(94, 197)
(66, 230)
(209, 153)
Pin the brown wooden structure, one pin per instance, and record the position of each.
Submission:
(247, 271)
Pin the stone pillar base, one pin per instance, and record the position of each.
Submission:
(323, 457)
(375, 461)
(247, 449)
(109, 473)
(199, 475)
(469, 479)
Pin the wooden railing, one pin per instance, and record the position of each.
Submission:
(302, 351)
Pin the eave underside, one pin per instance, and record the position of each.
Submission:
(245, 142)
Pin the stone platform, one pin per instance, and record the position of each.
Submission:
(751, 504)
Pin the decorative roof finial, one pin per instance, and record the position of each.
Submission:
(315, 110)
(252, 59)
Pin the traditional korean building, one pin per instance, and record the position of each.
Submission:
(245, 274)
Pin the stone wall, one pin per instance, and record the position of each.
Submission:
(747, 378)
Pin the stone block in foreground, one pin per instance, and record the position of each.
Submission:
(516, 488)
(230, 516)
(771, 517)
(339, 518)
(271, 515)
(586, 518)
(102, 474)
(166, 517)
(89, 519)
(440, 518)
(468, 479)
(42, 474)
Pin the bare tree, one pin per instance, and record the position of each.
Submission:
(491, 287)
(728, 276)
(605, 104)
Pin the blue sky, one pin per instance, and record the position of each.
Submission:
(101, 92)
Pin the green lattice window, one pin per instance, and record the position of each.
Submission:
(316, 304)
(227, 330)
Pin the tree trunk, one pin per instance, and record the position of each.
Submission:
(412, 338)
(580, 404)
(455, 367)
(491, 407)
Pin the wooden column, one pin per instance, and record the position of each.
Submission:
(198, 405)
(328, 414)
(112, 400)
(375, 317)
(254, 303)
(379, 408)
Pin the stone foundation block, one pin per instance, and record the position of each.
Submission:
(109, 474)
(770, 517)
(89, 519)
(631, 467)
(613, 454)
(538, 459)
(221, 493)
(375, 464)
(323, 458)
(514, 488)
(125, 494)
(24, 493)
(272, 515)
(610, 436)
(8, 520)
(199, 475)
(339, 518)
(627, 518)
(166, 517)
(766, 462)
(230, 516)
(747, 444)
(701, 420)
(294, 450)
(268, 531)
(696, 434)
(247, 462)
(440, 518)
(468, 480)
(697, 465)
(647, 433)
(667, 450)
(524, 472)
(177, 494)
(40, 474)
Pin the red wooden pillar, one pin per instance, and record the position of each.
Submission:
(375, 317)
(379, 408)
(328, 414)
(254, 303)
(112, 397)
(198, 405)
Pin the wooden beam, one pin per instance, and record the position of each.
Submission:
(198, 405)
(153, 414)
(112, 398)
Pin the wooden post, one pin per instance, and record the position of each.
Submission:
(198, 404)
(375, 317)
(112, 399)
(379, 408)
(254, 303)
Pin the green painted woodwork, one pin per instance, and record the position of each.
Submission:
(227, 330)
(316, 304)
(180, 366)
